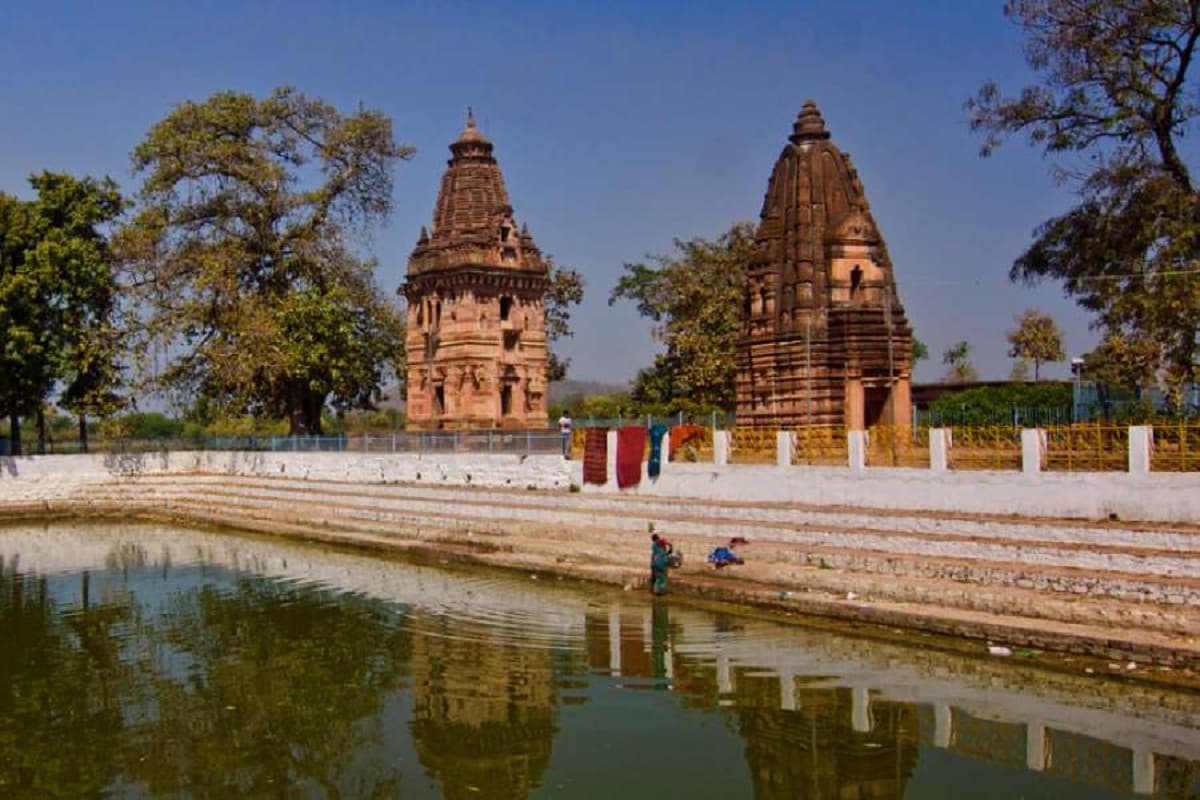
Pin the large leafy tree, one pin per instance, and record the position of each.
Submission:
(694, 297)
(1115, 99)
(58, 297)
(241, 249)
(566, 290)
(1036, 338)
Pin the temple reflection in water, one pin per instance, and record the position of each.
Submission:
(164, 661)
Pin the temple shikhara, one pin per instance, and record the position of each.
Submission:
(824, 339)
(476, 285)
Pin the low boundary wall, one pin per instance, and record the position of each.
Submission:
(25, 474)
(1081, 495)
(1150, 497)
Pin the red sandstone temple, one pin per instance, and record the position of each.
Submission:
(476, 285)
(824, 339)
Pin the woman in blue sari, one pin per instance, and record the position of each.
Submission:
(660, 560)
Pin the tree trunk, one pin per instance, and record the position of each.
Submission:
(295, 404)
(304, 410)
(14, 424)
(41, 430)
(315, 401)
(83, 443)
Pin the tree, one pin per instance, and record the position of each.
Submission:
(1118, 362)
(920, 350)
(958, 361)
(240, 249)
(1036, 338)
(57, 297)
(1117, 89)
(566, 290)
(694, 296)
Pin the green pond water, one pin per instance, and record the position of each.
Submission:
(152, 661)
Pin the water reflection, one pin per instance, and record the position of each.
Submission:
(164, 662)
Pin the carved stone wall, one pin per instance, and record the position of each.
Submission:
(824, 338)
(476, 285)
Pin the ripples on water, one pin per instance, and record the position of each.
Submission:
(154, 661)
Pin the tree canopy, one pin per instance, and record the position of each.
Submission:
(1036, 338)
(241, 250)
(694, 296)
(566, 290)
(1115, 99)
(57, 297)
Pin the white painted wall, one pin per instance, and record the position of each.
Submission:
(1167, 497)
(36, 477)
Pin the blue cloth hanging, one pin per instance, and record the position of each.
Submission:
(654, 463)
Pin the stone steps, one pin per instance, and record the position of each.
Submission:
(837, 545)
(604, 539)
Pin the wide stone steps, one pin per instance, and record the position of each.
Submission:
(1170, 555)
(1010, 573)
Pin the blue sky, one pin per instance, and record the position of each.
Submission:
(619, 126)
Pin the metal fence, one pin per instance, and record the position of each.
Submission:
(1176, 447)
(516, 442)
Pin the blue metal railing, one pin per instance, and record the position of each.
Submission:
(514, 442)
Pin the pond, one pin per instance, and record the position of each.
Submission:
(156, 661)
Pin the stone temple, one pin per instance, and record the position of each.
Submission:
(476, 285)
(824, 340)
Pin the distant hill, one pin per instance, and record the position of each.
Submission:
(563, 390)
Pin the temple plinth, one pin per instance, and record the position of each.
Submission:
(824, 339)
(476, 286)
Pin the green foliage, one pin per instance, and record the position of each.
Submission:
(986, 404)
(920, 350)
(152, 425)
(1116, 90)
(958, 362)
(1036, 338)
(367, 421)
(240, 252)
(566, 290)
(605, 406)
(695, 297)
(58, 296)
(1117, 361)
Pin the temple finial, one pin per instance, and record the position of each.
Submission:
(470, 133)
(809, 124)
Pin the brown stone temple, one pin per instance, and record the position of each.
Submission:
(824, 339)
(476, 285)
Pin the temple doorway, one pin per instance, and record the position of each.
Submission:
(875, 406)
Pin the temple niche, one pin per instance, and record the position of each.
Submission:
(476, 285)
(824, 340)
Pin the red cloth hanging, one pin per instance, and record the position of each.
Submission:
(595, 456)
(631, 446)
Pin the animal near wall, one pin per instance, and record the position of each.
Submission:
(476, 285)
(824, 339)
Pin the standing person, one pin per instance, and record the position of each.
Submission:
(564, 430)
(660, 561)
